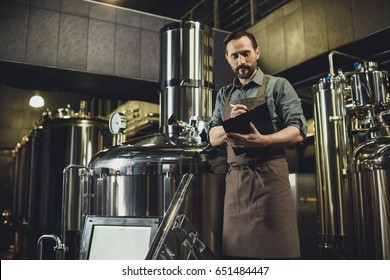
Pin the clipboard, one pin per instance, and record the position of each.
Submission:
(259, 116)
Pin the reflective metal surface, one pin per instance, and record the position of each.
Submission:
(371, 174)
(331, 149)
(352, 159)
(368, 85)
(186, 75)
(63, 137)
(140, 177)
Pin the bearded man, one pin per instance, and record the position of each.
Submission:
(259, 214)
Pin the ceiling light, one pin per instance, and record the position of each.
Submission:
(37, 101)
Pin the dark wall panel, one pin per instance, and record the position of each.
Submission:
(75, 7)
(102, 12)
(368, 17)
(316, 41)
(276, 46)
(90, 38)
(13, 30)
(128, 18)
(223, 75)
(128, 51)
(47, 4)
(72, 47)
(42, 37)
(150, 51)
(152, 23)
(294, 37)
(101, 45)
(386, 11)
(339, 14)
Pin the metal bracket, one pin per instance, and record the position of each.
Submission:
(190, 239)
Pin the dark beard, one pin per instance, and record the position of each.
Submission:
(244, 75)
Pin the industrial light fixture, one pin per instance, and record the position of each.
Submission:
(37, 101)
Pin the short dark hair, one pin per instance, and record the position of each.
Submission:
(237, 35)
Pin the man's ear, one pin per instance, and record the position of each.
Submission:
(258, 51)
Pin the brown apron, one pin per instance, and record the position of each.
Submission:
(259, 214)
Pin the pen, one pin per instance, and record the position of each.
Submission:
(232, 105)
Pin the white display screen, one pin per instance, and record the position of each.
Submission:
(119, 242)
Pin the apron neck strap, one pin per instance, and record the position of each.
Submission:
(261, 94)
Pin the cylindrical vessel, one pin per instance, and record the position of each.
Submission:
(63, 141)
(331, 164)
(62, 138)
(371, 198)
(369, 85)
(140, 178)
(21, 195)
(186, 74)
(351, 114)
(22, 172)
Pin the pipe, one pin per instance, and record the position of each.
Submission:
(59, 248)
(216, 14)
(65, 198)
(330, 58)
(253, 11)
(169, 218)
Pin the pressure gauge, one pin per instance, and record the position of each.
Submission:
(117, 123)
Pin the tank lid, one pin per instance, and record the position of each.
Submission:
(185, 25)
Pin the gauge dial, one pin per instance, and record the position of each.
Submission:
(117, 123)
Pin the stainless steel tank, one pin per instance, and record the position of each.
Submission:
(140, 177)
(351, 113)
(186, 75)
(22, 153)
(371, 189)
(368, 85)
(63, 137)
(331, 163)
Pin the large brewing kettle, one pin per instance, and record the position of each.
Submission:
(140, 177)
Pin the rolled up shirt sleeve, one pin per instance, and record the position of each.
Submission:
(284, 105)
(219, 109)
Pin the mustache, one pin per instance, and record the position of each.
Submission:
(247, 67)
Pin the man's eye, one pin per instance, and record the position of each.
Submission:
(234, 56)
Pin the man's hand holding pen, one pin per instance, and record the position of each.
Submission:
(237, 109)
(237, 140)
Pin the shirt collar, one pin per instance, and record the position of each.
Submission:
(257, 79)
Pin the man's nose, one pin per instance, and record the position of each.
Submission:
(241, 59)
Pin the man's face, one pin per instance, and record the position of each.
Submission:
(242, 57)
